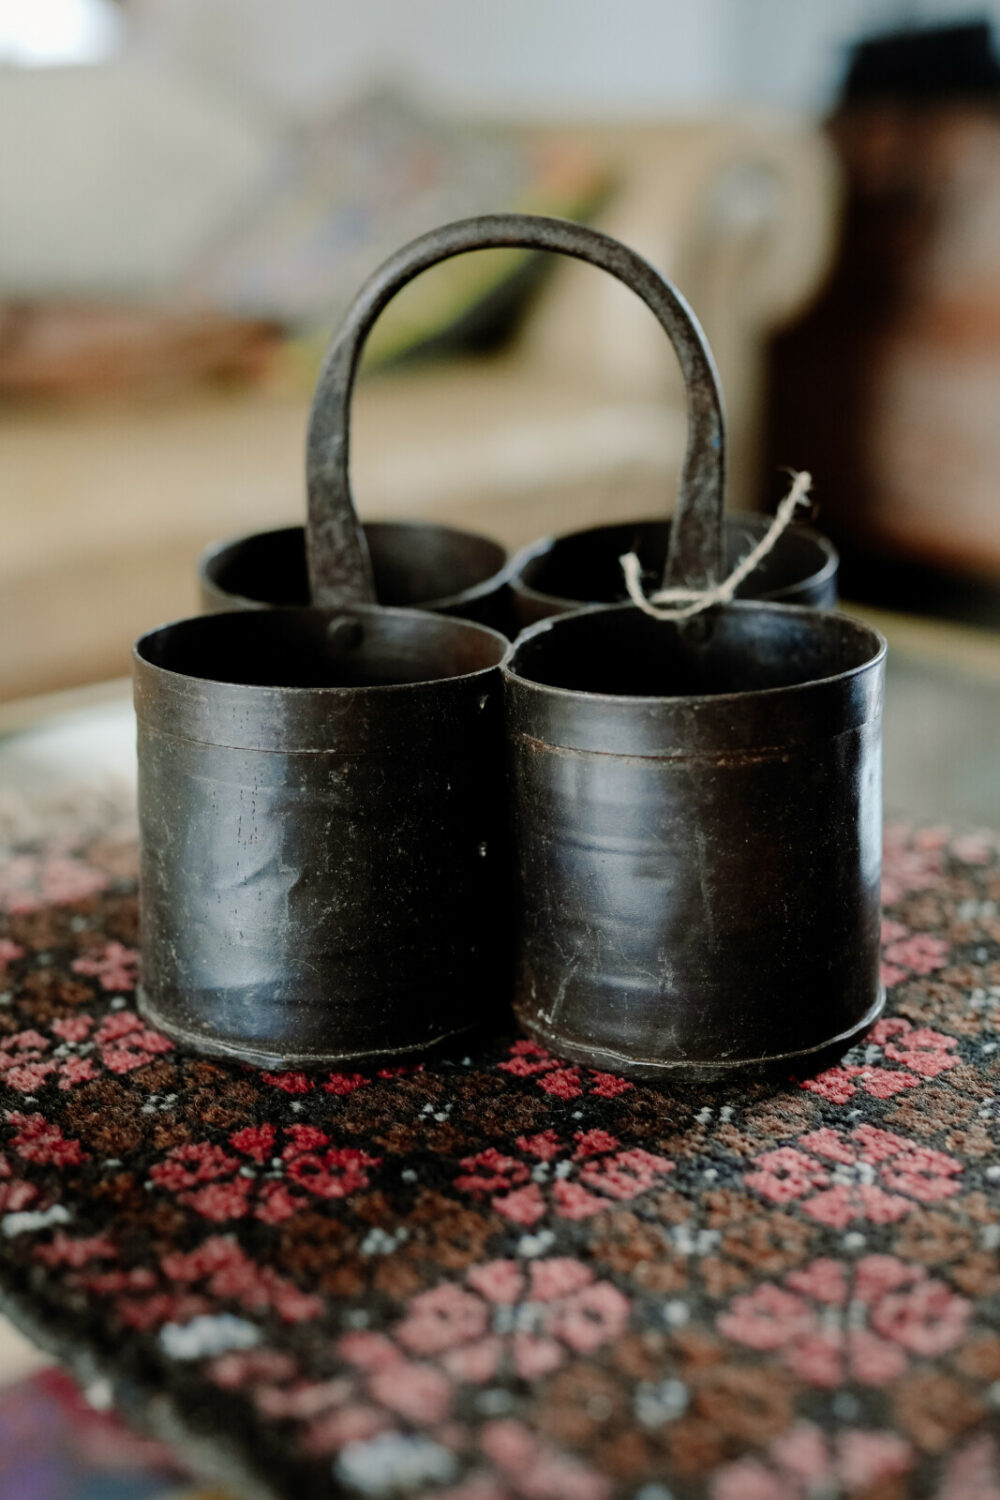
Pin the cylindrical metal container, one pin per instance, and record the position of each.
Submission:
(559, 574)
(697, 816)
(415, 565)
(321, 807)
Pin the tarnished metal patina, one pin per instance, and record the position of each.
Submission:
(698, 836)
(322, 832)
(697, 806)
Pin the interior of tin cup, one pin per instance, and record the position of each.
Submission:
(584, 567)
(311, 648)
(414, 563)
(739, 648)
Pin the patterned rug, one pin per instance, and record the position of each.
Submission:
(499, 1277)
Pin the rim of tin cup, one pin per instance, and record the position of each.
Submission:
(285, 547)
(533, 557)
(210, 699)
(694, 706)
(236, 632)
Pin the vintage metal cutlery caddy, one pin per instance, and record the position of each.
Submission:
(695, 804)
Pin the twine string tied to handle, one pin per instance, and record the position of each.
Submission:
(682, 604)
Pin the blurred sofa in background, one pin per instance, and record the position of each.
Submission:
(187, 423)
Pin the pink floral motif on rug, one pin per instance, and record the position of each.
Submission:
(504, 1277)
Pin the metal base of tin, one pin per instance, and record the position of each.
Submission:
(211, 1046)
(808, 1059)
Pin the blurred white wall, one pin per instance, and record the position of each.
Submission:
(536, 57)
(541, 58)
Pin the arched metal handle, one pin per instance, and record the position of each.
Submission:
(339, 567)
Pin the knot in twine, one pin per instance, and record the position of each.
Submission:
(681, 604)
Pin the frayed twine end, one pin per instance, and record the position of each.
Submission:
(681, 604)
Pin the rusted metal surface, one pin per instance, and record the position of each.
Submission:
(559, 574)
(698, 836)
(696, 806)
(322, 831)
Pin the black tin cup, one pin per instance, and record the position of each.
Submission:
(698, 836)
(323, 867)
(559, 574)
(696, 805)
(415, 565)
